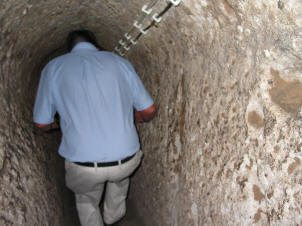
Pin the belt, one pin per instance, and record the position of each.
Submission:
(104, 164)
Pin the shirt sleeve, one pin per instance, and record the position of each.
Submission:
(141, 98)
(44, 109)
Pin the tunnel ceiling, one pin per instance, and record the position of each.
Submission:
(41, 26)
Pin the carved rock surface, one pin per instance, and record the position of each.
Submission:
(225, 146)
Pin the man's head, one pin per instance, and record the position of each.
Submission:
(77, 36)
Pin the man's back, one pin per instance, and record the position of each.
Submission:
(94, 93)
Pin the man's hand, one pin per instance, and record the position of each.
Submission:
(48, 127)
(138, 117)
(145, 115)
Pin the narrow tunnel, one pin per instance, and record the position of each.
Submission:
(225, 147)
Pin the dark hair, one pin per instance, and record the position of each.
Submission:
(81, 35)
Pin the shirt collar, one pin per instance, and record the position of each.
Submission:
(83, 46)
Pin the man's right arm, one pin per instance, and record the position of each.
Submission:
(145, 115)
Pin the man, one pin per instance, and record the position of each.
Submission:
(94, 93)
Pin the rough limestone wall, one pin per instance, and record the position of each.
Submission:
(30, 171)
(32, 188)
(225, 148)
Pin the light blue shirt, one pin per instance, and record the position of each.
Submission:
(94, 93)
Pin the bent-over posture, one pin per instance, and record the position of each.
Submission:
(95, 93)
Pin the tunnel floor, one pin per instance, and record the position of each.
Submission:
(131, 218)
(71, 219)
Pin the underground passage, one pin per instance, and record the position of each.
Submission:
(224, 147)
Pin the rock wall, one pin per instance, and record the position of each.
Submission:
(31, 173)
(225, 147)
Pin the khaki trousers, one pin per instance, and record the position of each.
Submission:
(88, 184)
